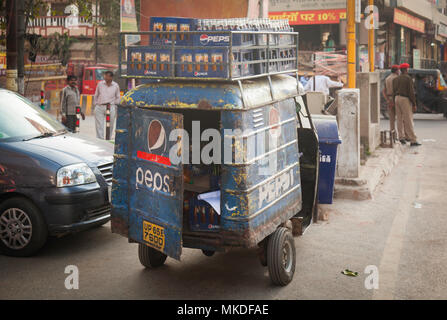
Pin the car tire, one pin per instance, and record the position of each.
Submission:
(23, 230)
(149, 257)
(281, 257)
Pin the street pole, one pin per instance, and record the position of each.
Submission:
(371, 38)
(351, 43)
(96, 32)
(20, 6)
(11, 46)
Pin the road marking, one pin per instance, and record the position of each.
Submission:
(389, 264)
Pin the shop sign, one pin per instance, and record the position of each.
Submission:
(310, 16)
(442, 30)
(407, 20)
(298, 5)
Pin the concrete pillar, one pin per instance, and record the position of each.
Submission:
(348, 115)
(369, 85)
(11, 80)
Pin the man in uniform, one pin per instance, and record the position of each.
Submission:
(387, 93)
(69, 101)
(405, 101)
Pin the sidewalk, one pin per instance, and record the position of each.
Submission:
(372, 174)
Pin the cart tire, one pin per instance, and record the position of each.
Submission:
(281, 257)
(208, 253)
(149, 257)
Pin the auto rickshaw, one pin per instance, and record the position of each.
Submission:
(255, 193)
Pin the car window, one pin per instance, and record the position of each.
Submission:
(100, 74)
(442, 81)
(21, 119)
(88, 75)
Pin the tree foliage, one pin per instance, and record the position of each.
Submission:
(57, 46)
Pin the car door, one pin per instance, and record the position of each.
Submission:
(156, 182)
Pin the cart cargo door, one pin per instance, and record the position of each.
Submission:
(156, 184)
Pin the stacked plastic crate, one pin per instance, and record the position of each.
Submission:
(206, 53)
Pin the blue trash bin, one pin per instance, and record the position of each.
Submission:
(329, 139)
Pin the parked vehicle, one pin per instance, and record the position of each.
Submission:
(89, 74)
(435, 81)
(155, 201)
(52, 182)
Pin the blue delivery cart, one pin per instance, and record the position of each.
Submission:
(255, 193)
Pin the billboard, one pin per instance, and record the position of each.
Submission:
(129, 20)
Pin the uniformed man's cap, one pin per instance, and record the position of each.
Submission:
(395, 67)
(404, 66)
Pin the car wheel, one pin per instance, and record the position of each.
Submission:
(23, 230)
(149, 257)
(281, 259)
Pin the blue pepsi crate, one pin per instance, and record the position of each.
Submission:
(142, 61)
(213, 55)
(202, 216)
(222, 39)
(171, 24)
(135, 61)
(201, 55)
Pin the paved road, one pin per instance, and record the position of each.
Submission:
(402, 232)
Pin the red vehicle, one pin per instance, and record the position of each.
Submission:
(89, 74)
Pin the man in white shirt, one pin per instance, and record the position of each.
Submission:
(107, 92)
(322, 84)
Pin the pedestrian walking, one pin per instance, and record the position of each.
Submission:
(70, 98)
(388, 94)
(107, 93)
(322, 83)
(405, 101)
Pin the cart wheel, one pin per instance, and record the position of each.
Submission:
(149, 257)
(208, 253)
(281, 257)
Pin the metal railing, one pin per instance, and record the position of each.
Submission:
(63, 21)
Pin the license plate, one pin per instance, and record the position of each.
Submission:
(109, 190)
(154, 235)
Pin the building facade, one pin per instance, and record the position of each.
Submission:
(413, 31)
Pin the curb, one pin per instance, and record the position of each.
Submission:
(372, 174)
